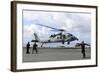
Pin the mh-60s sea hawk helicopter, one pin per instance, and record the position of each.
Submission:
(62, 36)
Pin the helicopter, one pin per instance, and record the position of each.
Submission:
(60, 37)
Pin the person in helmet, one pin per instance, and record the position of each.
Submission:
(35, 48)
(27, 48)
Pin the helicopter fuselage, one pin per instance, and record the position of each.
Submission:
(56, 38)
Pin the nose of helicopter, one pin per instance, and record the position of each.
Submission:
(77, 39)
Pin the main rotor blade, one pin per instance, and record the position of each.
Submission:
(51, 27)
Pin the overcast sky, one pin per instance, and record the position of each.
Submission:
(79, 24)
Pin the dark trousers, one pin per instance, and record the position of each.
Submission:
(27, 50)
(83, 52)
(84, 55)
(35, 49)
